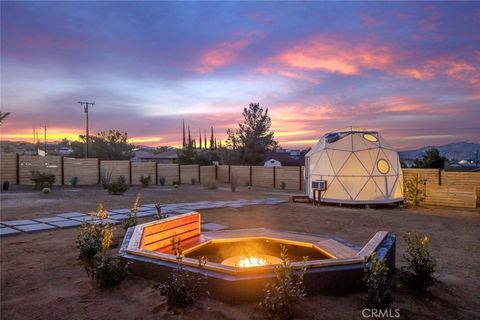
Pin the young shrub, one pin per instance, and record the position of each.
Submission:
(211, 185)
(183, 288)
(105, 178)
(233, 183)
(249, 187)
(74, 181)
(283, 185)
(376, 281)
(193, 181)
(415, 190)
(95, 237)
(107, 271)
(131, 220)
(43, 180)
(145, 181)
(162, 180)
(282, 295)
(6, 185)
(118, 187)
(159, 215)
(421, 264)
(46, 190)
(175, 184)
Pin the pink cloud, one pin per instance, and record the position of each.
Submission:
(221, 55)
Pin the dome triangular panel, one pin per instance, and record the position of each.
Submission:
(335, 190)
(353, 185)
(353, 167)
(337, 159)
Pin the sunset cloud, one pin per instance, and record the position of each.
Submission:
(220, 55)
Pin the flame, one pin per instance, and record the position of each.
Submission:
(251, 261)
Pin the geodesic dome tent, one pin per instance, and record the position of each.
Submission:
(358, 165)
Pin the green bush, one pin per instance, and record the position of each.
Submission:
(107, 271)
(282, 295)
(145, 181)
(415, 190)
(131, 220)
(162, 180)
(421, 264)
(376, 281)
(183, 288)
(43, 180)
(105, 178)
(283, 185)
(193, 180)
(74, 181)
(118, 187)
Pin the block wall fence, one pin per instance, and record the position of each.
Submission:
(457, 189)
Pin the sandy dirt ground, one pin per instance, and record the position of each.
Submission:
(41, 278)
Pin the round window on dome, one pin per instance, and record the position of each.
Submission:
(370, 137)
(383, 166)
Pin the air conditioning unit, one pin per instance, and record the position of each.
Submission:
(319, 184)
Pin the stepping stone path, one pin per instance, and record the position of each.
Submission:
(74, 219)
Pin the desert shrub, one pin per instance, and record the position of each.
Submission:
(107, 271)
(6, 185)
(105, 177)
(175, 184)
(118, 187)
(42, 180)
(162, 180)
(183, 288)
(46, 190)
(145, 181)
(421, 264)
(159, 215)
(74, 181)
(249, 187)
(376, 281)
(95, 237)
(193, 181)
(211, 185)
(282, 295)
(131, 220)
(283, 185)
(415, 190)
(233, 183)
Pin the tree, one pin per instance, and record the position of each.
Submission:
(3, 116)
(106, 145)
(431, 159)
(186, 155)
(253, 139)
(211, 140)
(184, 143)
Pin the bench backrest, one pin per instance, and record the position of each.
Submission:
(158, 236)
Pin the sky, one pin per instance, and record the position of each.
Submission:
(409, 70)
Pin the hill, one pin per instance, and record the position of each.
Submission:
(452, 151)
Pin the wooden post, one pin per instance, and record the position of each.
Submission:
(179, 174)
(99, 171)
(274, 178)
(156, 172)
(130, 171)
(216, 172)
(439, 177)
(63, 170)
(199, 174)
(229, 172)
(17, 157)
(250, 175)
(300, 178)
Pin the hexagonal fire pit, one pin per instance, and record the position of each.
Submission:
(239, 262)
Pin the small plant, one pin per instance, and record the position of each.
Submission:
(249, 187)
(420, 262)
(159, 215)
(43, 180)
(376, 281)
(193, 181)
(95, 237)
(282, 295)
(211, 185)
(107, 271)
(183, 288)
(105, 177)
(145, 181)
(233, 183)
(46, 190)
(162, 180)
(415, 190)
(6, 185)
(118, 187)
(131, 220)
(283, 185)
(74, 181)
(175, 184)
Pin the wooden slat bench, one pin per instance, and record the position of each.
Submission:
(159, 236)
(372, 245)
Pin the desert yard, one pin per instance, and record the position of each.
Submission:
(41, 278)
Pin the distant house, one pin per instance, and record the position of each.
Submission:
(463, 166)
(284, 159)
(169, 156)
(65, 151)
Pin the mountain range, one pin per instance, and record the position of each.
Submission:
(453, 151)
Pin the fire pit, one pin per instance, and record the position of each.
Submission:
(239, 262)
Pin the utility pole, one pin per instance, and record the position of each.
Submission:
(85, 109)
(45, 139)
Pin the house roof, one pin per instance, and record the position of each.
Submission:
(169, 154)
(285, 159)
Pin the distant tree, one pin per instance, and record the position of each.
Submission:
(253, 139)
(184, 142)
(206, 157)
(431, 159)
(106, 145)
(161, 149)
(211, 140)
(3, 116)
(186, 155)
